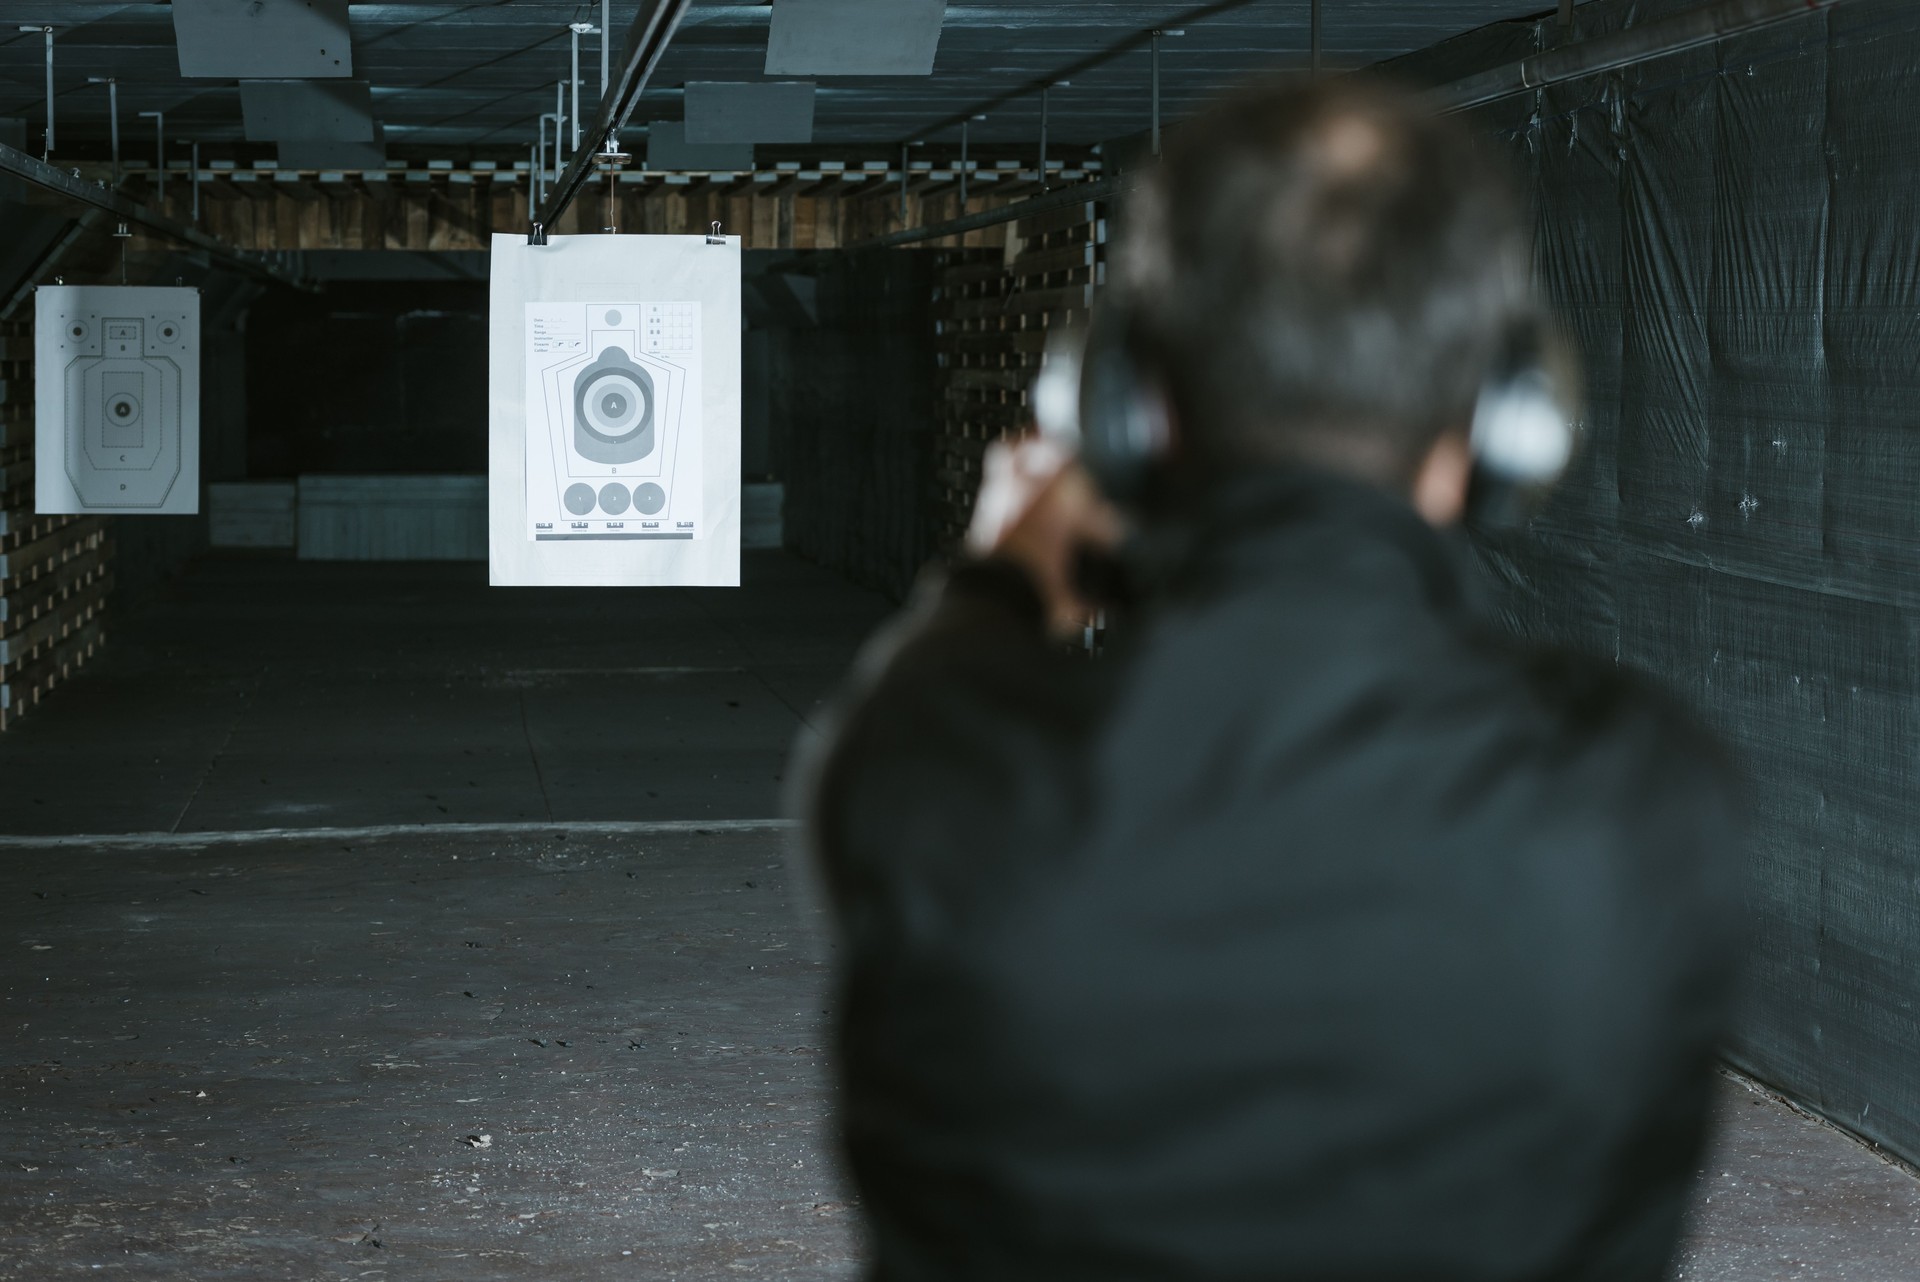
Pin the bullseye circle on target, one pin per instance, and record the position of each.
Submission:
(613, 410)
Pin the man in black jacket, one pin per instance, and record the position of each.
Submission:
(1311, 933)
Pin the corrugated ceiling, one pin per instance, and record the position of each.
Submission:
(457, 76)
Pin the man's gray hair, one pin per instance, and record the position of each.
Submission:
(1323, 271)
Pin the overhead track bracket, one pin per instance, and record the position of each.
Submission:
(647, 42)
(62, 182)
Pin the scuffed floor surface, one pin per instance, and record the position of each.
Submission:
(555, 1055)
(446, 1055)
(432, 1057)
(1785, 1198)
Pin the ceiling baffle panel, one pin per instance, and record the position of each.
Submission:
(478, 75)
(223, 39)
(853, 37)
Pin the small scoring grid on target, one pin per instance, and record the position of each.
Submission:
(669, 327)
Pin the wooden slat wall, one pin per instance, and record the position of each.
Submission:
(994, 311)
(254, 210)
(55, 571)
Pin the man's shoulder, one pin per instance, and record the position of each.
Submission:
(1591, 698)
(1394, 681)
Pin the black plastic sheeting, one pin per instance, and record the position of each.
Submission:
(851, 401)
(1732, 234)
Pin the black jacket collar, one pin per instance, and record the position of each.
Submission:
(1225, 524)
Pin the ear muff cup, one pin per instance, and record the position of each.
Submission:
(1524, 416)
(1523, 433)
(1125, 426)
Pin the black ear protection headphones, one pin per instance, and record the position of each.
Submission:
(1524, 426)
(1097, 393)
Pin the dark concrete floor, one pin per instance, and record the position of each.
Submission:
(554, 1056)
(572, 1025)
(1787, 1198)
(272, 693)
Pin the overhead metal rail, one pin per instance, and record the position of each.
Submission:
(1059, 198)
(1656, 39)
(1138, 40)
(647, 42)
(62, 183)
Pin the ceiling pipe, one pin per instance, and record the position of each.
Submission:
(541, 171)
(1153, 57)
(113, 118)
(646, 43)
(963, 161)
(47, 154)
(1153, 114)
(1044, 95)
(159, 119)
(579, 29)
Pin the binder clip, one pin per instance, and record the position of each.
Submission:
(715, 236)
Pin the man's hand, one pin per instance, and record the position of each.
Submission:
(1038, 508)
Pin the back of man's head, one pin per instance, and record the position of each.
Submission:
(1323, 272)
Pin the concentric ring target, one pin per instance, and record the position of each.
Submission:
(613, 410)
(123, 409)
(615, 404)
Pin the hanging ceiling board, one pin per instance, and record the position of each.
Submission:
(307, 110)
(313, 153)
(854, 37)
(749, 111)
(262, 39)
(667, 148)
